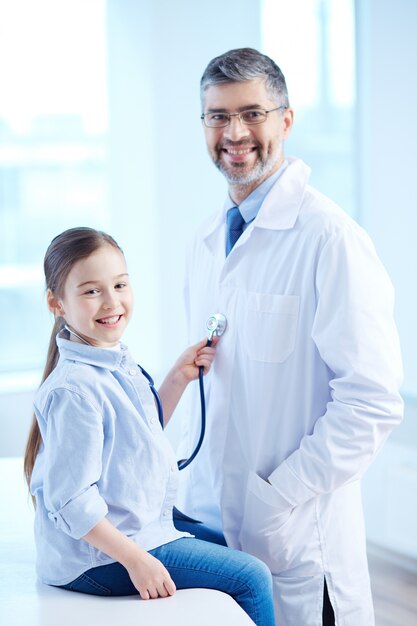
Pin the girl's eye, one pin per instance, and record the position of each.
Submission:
(120, 285)
(91, 292)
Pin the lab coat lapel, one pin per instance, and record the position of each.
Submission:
(214, 233)
(280, 209)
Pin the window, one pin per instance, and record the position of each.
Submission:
(313, 43)
(53, 125)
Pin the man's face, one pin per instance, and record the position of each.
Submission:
(246, 154)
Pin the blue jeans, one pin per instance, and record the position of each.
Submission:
(189, 525)
(195, 563)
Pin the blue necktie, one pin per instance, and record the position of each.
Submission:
(234, 221)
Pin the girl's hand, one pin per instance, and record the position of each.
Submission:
(184, 371)
(187, 365)
(150, 577)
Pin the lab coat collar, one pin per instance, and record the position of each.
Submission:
(279, 210)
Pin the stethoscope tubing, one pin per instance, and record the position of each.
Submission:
(183, 463)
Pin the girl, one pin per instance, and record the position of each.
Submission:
(98, 464)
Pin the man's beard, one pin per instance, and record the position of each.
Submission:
(238, 174)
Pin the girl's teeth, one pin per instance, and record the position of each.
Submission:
(110, 320)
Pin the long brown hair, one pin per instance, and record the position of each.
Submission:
(63, 252)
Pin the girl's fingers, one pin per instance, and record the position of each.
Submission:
(153, 593)
(162, 590)
(211, 352)
(204, 360)
(170, 586)
(203, 343)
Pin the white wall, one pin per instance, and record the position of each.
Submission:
(387, 140)
(387, 165)
(15, 420)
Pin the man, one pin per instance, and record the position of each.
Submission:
(304, 388)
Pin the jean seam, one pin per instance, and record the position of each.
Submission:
(85, 578)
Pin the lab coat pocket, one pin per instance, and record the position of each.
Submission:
(262, 526)
(271, 326)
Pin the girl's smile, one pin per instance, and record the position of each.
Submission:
(110, 321)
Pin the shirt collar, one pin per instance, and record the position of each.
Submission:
(100, 357)
(250, 206)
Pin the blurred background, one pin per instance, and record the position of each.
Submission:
(99, 126)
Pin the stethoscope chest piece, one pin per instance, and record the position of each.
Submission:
(216, 325)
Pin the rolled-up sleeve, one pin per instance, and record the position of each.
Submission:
(81, 514)
(72, 462)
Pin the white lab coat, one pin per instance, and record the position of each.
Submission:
(303, 391)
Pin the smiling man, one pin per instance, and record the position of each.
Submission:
(245, 148)
(304, 389)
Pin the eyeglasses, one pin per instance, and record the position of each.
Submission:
(248, 117)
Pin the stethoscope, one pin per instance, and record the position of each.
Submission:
(216, 325)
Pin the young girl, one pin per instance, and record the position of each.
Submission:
(99, 466)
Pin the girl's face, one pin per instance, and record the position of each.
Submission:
(97, 302)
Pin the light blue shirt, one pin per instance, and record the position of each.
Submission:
(104, 454)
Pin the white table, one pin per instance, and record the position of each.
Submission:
(26, 602)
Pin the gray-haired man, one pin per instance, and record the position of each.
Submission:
(304, 389)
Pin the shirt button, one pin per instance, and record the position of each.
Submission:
(133, 371)
(166, 513)
(152, 420)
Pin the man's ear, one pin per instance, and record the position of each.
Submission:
(54, 304)
(288, 121)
